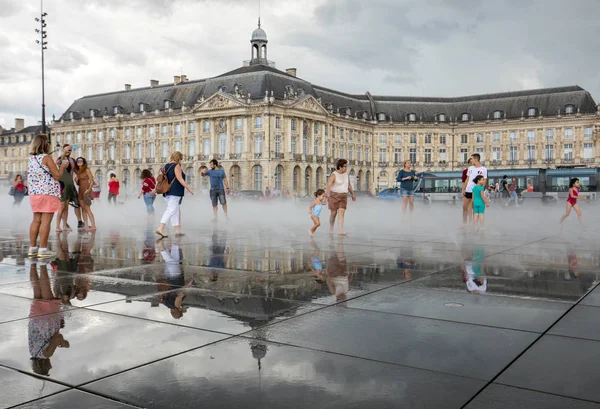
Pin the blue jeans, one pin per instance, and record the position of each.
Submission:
(149, 200)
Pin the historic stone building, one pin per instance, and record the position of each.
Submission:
(14, 149)
(271, 128)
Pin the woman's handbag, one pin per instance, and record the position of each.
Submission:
(87, 199)
(12, 191)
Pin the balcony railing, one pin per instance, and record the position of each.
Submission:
(235, 156)
(190, 158)
(98, 162)
(149, 160)
(258, 156)
(320, 159)
(567, 160)
(202, 157)
(383, 164)
(309, 158)
(298, 157)
(442, 163)
(352, 162)
(137, 160)
(428, 164)
(367, 163)
(280, 155)
(110, 162)
(125, 161)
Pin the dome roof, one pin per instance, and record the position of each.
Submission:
(259, 35)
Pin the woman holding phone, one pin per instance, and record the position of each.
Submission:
(407, 177)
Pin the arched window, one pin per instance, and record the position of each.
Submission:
(531, 112)
(465, 117)
(257, 177)
(222, 143)
(497, 114)
(278, 176)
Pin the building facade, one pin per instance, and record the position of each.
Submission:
(270, 128)
(14, 149)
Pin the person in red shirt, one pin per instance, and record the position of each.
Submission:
(113, 189)
(148, 186)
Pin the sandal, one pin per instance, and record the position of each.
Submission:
(161, 234)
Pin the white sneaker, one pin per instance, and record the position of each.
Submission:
(33, 252)
(45, 254)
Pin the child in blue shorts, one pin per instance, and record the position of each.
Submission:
(480, 202)
(315, 211)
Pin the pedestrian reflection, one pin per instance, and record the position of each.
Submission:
(316, 266)
(219, 254)
(149, 250)
(573, 264)
(85, 264)
(45, 321)
(472, 269)
(171, 283)
(338, 278)
(406, 262)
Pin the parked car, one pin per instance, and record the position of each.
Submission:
(252, 194)
(363, 193)
(393, 193)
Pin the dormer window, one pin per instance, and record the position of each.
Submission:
(222, 88)
(465, 117)
(168, 104)
(142, 107)
(497, 114)
(569, 109)
(116, 110)
(71, 115)
(92, 113)
(441, 117)
(348, 111)
(531, 112)
(365, 115)
(412, 117)
(381, 116)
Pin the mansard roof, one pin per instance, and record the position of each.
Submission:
(256, 80)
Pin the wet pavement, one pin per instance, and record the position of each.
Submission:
(234, 317)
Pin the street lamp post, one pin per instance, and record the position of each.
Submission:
(43, 44)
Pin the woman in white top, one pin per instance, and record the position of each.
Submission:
(337, 195)
(44, 194)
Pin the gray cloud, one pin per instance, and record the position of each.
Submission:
(397, 47)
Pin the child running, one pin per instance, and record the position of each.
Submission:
(574, 187)
(480, 201)
(315, 211)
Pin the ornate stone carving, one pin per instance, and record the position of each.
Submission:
(221, 126)
(310, 104)
(218, 101)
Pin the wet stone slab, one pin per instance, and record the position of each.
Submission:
(18, 387)
(75, 399)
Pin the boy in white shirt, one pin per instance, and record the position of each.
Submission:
(474, 170)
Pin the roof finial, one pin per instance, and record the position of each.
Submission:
(258, 13)
(259, 22)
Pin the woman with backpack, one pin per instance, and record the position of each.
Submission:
(171, 184)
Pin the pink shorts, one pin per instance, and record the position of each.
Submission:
(44, 203)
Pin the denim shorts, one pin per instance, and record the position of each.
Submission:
(218, 195)
(407, 192)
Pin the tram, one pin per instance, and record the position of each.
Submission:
(447, 185)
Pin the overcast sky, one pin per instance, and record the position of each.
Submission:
(394, 47)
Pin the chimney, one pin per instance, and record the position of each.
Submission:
(184, 78)
(176, 79)
(127, 87)
(19, 124)
(291, 71)
(153, 83)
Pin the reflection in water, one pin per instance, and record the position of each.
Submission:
(406, 261)
(316, 266)
(219, 254)
(45, 321)
(472, 269)
(337, 273)
(172, 279)
(573, 262)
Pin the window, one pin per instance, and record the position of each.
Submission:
(413, 138)
(549, 134)
(465, 117)
(464, 155)
(382, 154)
(569, 109)
(305, 145)
(568, 151)
(341, 133)
(167, 104)
(152, 131)
(277, 145)
(326, 130)
(222, 144)
(381, 116)
(442, 139)
(367, 154)
(367, 138)
(480, 152)
(191, 147)
(293, 145)
(513, 136)
(549, 152)
(443, 156)
(258, 144)
(350, 152)
(78, 137)
(326, 148)
(315, 146)
(164, 150)
(277, 122)
(413, 155)
(90, 154)
(531, 112)
(531, 152)
(496, 153)
(496, 137)
(531, 136)
(412, 117)
(587, 133)
(115, 111)
(568, 133)
(239, 123)
(177, 129)
(89, 136)
(258, 122)
(258, 177)
(139, 150)
(397, 155)
(191, 127)
(341, 150)
(163, 130)
(178, 146)
(427, 155)
(206, 126)
(497, 114)
(351, 135)
(142, 107)
(206, 147)
(316, 128)
(152, 150)
(127, 151)
(441, 117)
(382, 139)
(464, 139)
(100, 153)
(359, 154)
(397, 139)
(588, 151)
(514, 153)
(479, 138)
(427, 138)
